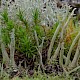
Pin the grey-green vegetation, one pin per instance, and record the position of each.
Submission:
(38, 44)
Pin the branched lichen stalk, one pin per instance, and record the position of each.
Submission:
(75, 69)
(76, 56)
(52, 41)
(12, 48)
(62, 37)
(61, 54)
(71, 48)
(56, 33)
(4, 52)
(56, 53)
(39, 49)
